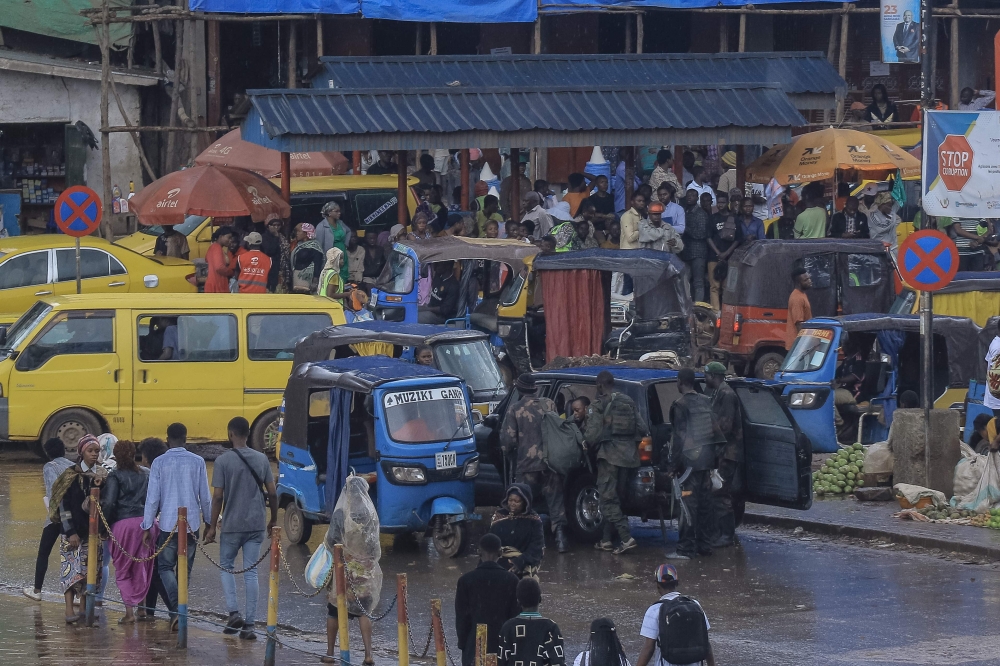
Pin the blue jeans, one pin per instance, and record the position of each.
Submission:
(229, 543)
(166, 565)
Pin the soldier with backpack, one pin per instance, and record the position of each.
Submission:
(615, 428)
(675, 628)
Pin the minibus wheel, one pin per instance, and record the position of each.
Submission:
(264, 434)
(70, 425)
(298, 528)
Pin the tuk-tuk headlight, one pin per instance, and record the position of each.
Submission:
(503, 330)
(409, 474)
(471, 469)
(802, 400)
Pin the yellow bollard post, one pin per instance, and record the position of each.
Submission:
(182, 577)
(438, 632)
(341, 577)
(402, 622)
(491, 659)
(93, 548)
(481, 632)
(272, 598)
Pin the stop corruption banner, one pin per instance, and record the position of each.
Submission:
(961, 165)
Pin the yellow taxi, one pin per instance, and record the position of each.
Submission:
(32, 267)
(366, 202)
(132, 365)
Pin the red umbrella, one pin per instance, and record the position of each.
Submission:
(211, 191)
(233, 151)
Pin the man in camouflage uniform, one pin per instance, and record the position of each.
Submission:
(615, 427)
(522, 431)
(726, 406)
(694, 447)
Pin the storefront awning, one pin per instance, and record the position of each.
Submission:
(505, 117)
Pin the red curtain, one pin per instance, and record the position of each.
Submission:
(576, 313)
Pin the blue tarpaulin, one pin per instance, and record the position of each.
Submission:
(338, 444)
(455, 11)
(277, 6)
(565, 6)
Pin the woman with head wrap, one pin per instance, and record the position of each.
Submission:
(333, 232)
(123, 501)
(106, 459)
(421, 226)
(520, 532)
(882, 221)
(275, 245)
(604, 647)
(70, 506)
(331, 284)
(307, 260)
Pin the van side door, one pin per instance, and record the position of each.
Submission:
(778, 457)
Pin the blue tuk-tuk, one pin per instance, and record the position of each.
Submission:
(460, 352)
(883, 352)
(977, 385)
(406, 428)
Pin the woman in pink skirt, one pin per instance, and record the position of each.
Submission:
(123, 502)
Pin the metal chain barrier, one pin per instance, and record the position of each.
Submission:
(299, 590)
(447, 648)
(409, 634)
(235, 572)
(366, 612)
(137, 560)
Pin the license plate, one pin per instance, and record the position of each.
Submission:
(445, 460)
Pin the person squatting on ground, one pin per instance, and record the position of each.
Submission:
(614, 427)
(520, 530)
(521, 434)
(243, 483)
(694, 448)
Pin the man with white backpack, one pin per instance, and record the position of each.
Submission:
(675, 628)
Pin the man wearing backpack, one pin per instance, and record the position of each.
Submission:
(695, 444)
(615, 427)
(521, 436)
(675, 628)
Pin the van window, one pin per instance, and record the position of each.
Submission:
(25, 270)
(661, 396)
(864, 270)
(732, 277)
(427, 415)
(192, 338)
(272, 337)
(761, 407)
(809, 350)
(375, 209)
(70, 333)
(567, 393)
(93, 264)
(819, 267)
(397, 274)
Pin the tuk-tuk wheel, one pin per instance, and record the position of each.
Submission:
(767, 365)
(449, 538)
(298, 528)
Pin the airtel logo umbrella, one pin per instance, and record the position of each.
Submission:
(231, 150)
(211, 191)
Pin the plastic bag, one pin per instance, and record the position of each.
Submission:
(355, 525)
(318, 568)
(878, 459)
(986, 494)
(968, 471)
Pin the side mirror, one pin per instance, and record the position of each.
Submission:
(477, 417)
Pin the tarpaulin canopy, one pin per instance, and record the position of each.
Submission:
(545, 117)
(317, 346)
(455, 248)
(277, 6)
(807, 77)
(960, 333)
(456, 11)
(61, 18)
(566, 6)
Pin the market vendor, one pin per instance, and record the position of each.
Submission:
(984, 432)
(520, 531)
(846, 414)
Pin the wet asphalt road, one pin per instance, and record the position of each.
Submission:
(773, 600)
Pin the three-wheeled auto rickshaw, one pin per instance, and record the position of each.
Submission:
(778, 456)
(460, 352)
(883, 352)
(977, 386)
(972, 295)
(575, 311)
(406, 427)
(848, 277)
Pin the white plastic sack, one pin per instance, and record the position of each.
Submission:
(914, 494)
(878, 459)
(968, 472)
(986, 494)
(318, 568)
(354, 524)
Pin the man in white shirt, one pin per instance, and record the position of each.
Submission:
(698, 183)
(988, 400)
(666, 585)
(975, 100)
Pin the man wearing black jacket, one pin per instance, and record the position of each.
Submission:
(851, 222)
(486, 595)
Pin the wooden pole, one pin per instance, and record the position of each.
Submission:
(434, 39)
(293, 50)
(356, 162)
(402, 626)
(175, 93)
(953, 64)
(628, 34)
(106, 229)
(401, 211)
(157, 50)
(629, 175)
(724, 34)
(420, 38)
(214, 74)
(286, 177)
(842, 60)
(319, 37)
(640, 32)
(743, 33)
(536, 42)
(463, 158)
(740, 168)
(515, 184)
(482, 631)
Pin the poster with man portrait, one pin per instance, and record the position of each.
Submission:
(900, 31)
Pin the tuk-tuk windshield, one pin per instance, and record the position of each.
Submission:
(397, 274)
(809, 351)
(427, 415)
(472, 361)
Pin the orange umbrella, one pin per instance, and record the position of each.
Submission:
(211, 191)
(819, 155)
(231, 150)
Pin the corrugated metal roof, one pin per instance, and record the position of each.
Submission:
(801, 74)
(390, 119)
